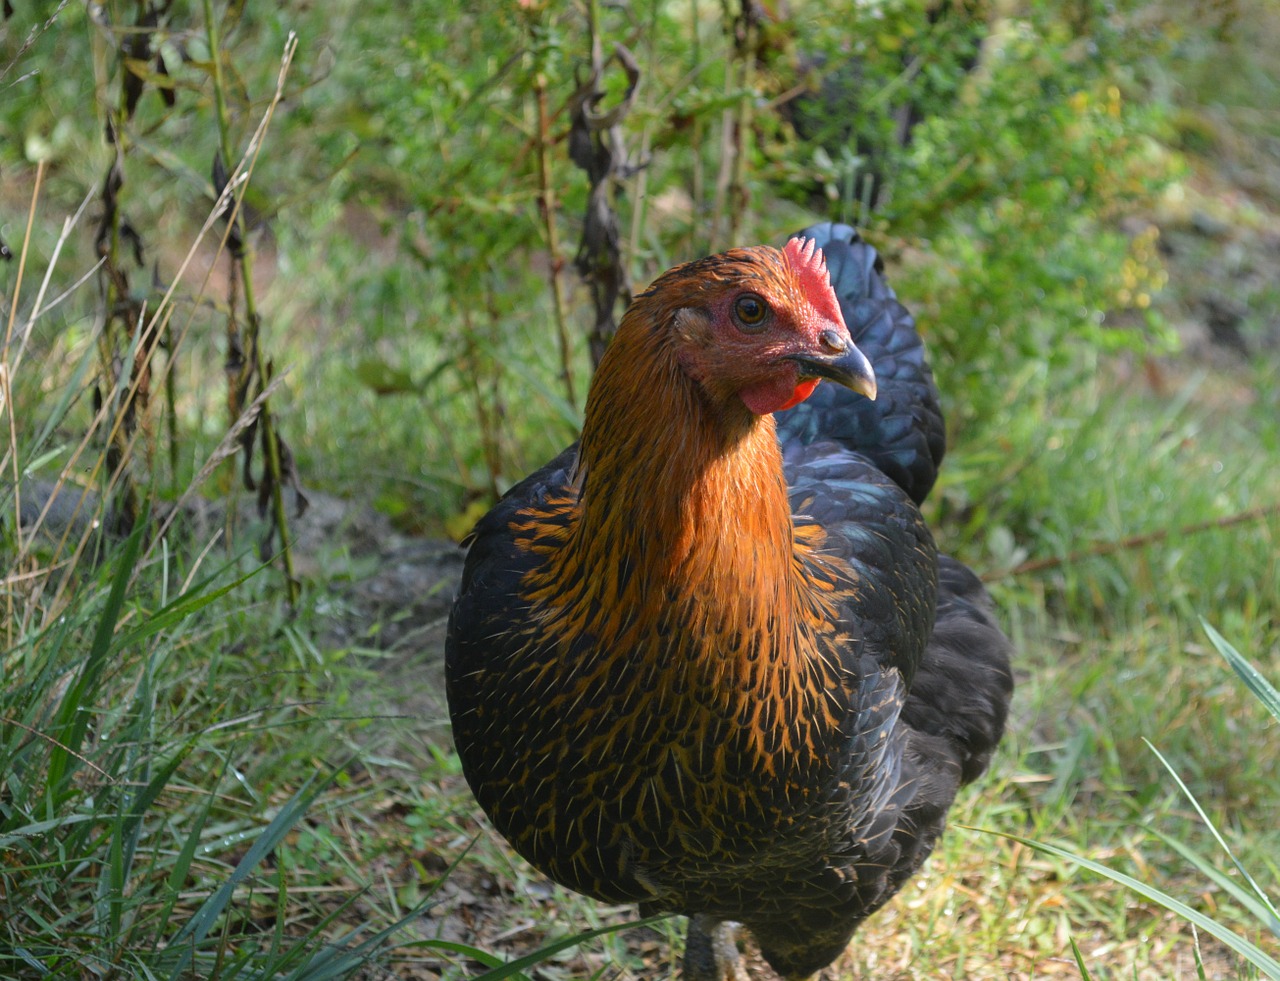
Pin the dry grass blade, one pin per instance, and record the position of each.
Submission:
(38, 308)
(83, 760)
(22, 259)
(8, 364)
(225, 449)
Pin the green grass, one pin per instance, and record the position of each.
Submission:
(129, 811)
(1232, 879)
(198, 780)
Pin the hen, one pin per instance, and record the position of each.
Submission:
(712, 664)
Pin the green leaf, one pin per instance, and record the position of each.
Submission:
(182, 865)
(384, 378)
(1084, 971)
(72, 719)
(1271, 920)
(512, 968)
(203, 919)
(1260, 910)
(1252, 677)
(192, 600)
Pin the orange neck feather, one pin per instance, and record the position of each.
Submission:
(690, 497)
(681, 558)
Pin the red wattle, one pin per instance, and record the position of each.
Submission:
(802, 392)
(767, 398)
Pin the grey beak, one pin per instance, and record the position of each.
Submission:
(845, 365)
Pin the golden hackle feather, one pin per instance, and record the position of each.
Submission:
(692, 513)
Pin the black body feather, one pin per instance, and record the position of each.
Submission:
(798, 815)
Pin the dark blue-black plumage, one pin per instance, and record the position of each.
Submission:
(902, 432)
(963, 685)
(913, 672)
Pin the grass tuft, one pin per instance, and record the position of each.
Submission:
(1243, 889)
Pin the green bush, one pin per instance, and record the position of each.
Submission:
(444, 138)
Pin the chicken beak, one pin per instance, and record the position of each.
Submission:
(841, 362)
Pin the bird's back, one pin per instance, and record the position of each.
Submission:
(836, 445)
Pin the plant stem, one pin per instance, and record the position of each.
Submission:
(547, 205)
(1134, 541)
(489, 438)
(639, 208)
(6, 394)
(731, 191)
(171, 402)
(724, 172)
(254, 364)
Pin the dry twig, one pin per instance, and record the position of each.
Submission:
(1133, 541)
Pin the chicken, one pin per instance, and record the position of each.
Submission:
(704, 669)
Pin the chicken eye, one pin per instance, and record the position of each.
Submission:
(751, 311)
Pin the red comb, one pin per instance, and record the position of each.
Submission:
(810, 267)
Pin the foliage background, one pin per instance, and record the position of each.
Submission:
(1031, 172)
